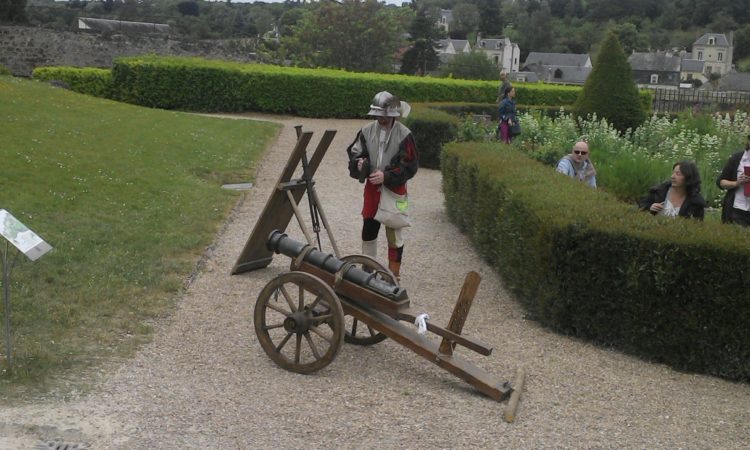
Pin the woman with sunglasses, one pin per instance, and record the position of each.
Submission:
(680, 196)
(578, 165)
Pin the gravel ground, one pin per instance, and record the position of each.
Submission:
(205, 382)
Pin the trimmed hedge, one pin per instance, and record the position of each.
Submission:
(585, 264)
(431, 129)
(91, 81)
(196, 84)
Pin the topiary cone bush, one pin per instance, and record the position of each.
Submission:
(610, 90)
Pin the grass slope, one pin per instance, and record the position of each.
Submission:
(129, 198)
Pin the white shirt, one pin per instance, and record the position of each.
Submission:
(669, 209)
(740, 201)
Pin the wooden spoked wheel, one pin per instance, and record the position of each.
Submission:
(356, 332)
(299, 322)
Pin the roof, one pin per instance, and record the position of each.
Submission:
(720, 39)
(447, 14)
(655, 61)
(568, 74)
(492, 44)
(557, 59)
(735, 81)
(531, 77)
(692, 65)
(121, 26)
(460, 45)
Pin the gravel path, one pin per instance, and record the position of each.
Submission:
(205, 382)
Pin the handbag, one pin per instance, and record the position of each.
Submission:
(393, 209)
(515, 129)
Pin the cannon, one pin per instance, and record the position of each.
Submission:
(300, 322)
(304, 316)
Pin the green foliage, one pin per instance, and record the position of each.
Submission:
(431, 129)
(96, 82)
(4, 70)
(129, 198)
(353, 35)
(610, 91)
(627, 165)
(195, 84)
(583, 263)
(12, 11)
(470, 66)
(421, 57)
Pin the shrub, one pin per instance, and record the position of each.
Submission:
(91, 81)
(610, 90)
(585, 264)
(4, 70)
(431, 129)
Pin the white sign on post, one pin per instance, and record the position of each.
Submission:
(25, 240)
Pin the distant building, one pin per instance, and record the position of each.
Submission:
(692, 69)
(731, 82)
(501, 51)
(652, 68)
(447, 49)
(524, 77)
(121, 26)
(715, 50)
(563, 68)
(445, 20)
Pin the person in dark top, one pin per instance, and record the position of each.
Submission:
(507, 113)
(680, 196)
(735, 208)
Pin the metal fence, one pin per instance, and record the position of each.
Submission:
(678, 100)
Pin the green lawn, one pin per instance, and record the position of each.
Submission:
(129, 198)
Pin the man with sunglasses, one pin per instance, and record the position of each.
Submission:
(578, 165)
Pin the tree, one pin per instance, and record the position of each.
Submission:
(12, 11)
(490, 20)
(465, 18)
(421, 57)
(629, 37)
(470, 66)
(354, 35)
(610, 91)
(742, 43)
(188, 8)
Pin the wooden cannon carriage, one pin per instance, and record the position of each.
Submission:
(303, 317)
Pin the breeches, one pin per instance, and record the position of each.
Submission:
(370, 231)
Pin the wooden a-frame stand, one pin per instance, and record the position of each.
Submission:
(284, 202)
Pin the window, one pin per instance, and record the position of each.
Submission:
(521, 78)
(721, 56)
(496, 60)
(558, 73)
(711, 41)
(654, 78)
(700, 56)
(708, 69)
(690, 77)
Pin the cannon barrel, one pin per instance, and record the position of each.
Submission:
(281, 243)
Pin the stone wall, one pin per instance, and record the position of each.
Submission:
(24, 48)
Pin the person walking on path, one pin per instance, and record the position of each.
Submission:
(504, 85)
(507, 113)
(734, 178)
(383, 156)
